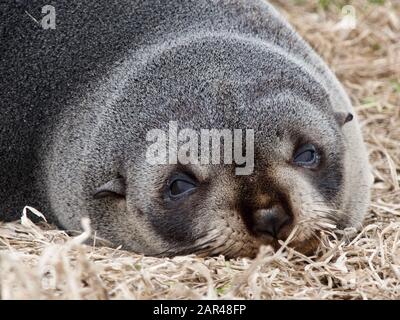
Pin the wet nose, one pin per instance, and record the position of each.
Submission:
(271, 220)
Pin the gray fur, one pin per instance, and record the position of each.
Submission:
(76, 103)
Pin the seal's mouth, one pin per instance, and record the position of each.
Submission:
(300, 237)
(243, 244)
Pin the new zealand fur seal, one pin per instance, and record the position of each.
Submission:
(78, 99)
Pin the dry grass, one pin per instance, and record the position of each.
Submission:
(41, 262)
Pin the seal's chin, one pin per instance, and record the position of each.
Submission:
(306, 246)
(250, 249)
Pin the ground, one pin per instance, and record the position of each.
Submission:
(38, 261)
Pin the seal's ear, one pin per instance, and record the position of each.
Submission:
(114, 187)
(343, 117)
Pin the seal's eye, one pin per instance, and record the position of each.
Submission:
(181, 185)
(306, 156)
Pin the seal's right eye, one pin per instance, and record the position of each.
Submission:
(181, 185)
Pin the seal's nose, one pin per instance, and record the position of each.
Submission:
(271, 220)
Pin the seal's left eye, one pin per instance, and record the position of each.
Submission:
(181, 185)
(306, 156)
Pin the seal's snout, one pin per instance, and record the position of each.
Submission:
(271, 221)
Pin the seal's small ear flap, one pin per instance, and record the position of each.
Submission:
(114, 188)
(343, 117)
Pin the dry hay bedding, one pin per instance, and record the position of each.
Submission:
(39, 261)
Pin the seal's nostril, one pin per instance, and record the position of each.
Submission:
(271, 220)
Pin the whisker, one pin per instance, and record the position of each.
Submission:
(173, 249)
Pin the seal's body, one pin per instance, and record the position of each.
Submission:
(77, 102)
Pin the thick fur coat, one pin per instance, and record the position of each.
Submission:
(76, 103)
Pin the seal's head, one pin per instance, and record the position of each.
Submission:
(303, 167)
(297, 182)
